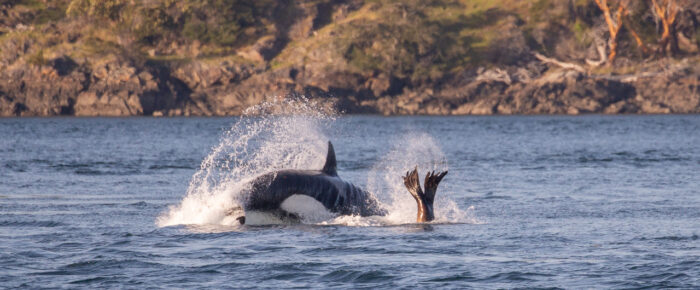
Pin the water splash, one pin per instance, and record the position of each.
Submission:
(291, 134)
(278, 134)
(385, 178)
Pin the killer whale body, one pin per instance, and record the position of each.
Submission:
(268, 191)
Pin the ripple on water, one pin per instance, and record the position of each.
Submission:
(678, 238)
(32, 223)
(92, 280)
(515, 276)
(97, 266)
(216, 268)
(170, 166)
(355, 276)
(464, 276)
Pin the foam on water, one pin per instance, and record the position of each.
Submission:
(292, 134)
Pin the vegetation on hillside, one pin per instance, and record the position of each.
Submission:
(413, 39)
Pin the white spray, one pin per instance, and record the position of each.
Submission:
(279, 134)
(290, 134)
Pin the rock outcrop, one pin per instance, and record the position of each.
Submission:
(118, 88)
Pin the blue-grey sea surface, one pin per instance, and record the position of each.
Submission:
(550, 201)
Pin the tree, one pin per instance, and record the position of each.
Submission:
(615, 24)
(666, 11)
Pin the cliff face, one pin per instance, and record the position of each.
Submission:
(199, 57)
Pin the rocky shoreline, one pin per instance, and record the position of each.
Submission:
(122, 88)
(341, 53)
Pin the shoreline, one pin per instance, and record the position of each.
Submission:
(587, 115)
(118, 88)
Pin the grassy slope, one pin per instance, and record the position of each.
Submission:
(417, 40)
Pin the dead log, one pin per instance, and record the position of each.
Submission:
(561, 64)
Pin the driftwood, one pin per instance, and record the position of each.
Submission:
(629, 78)
(667, 71)
(565, 65)
(496, 74)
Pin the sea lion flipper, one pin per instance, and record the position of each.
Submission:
(431, 183)
(412, 183)
(424, 202)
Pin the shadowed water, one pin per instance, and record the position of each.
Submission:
(571, 202)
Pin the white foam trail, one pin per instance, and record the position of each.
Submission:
(290, 134)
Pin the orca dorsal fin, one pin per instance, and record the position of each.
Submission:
(330, 167)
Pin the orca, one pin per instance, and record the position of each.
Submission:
(267, 192)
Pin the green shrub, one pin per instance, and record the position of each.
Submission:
(219, 22)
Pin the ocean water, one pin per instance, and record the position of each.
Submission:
(529, 201)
